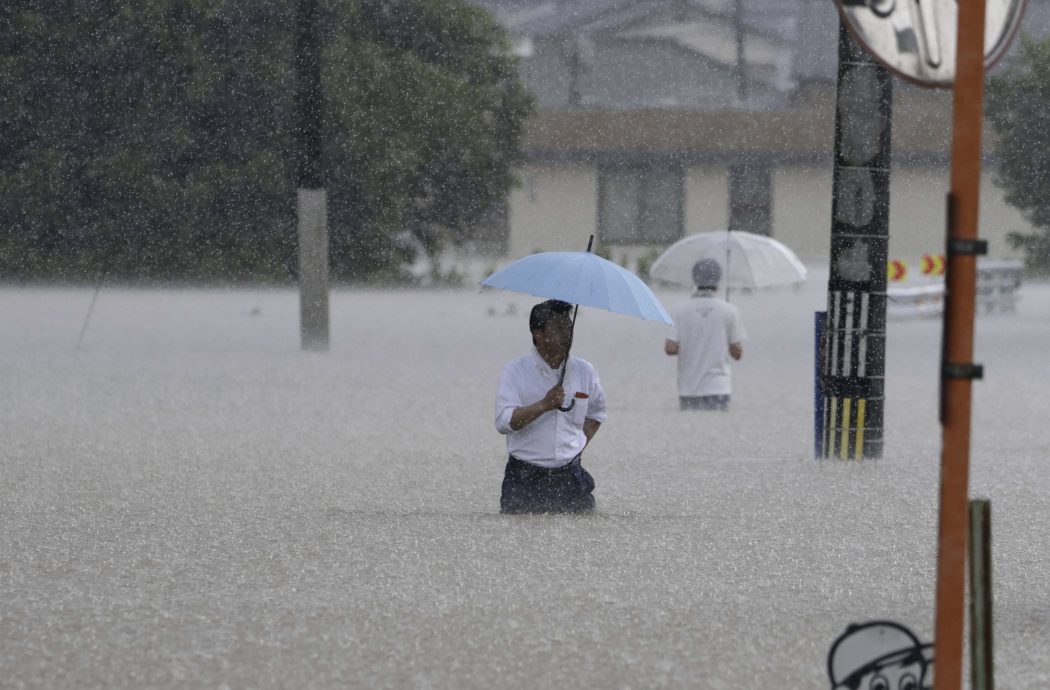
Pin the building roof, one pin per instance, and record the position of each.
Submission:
(808, 28)
(921, 130)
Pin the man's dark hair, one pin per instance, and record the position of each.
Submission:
(706, 274)
(542, 312)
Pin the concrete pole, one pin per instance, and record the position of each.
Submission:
(854, 349)
(312, 214)
(741, 58)
(957, 368)
(311, 197)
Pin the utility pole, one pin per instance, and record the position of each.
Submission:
(311, 196)
(741, 58)
(854, 363)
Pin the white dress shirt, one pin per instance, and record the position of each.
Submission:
(554, 438)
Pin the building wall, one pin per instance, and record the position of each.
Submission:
(920, 216)
(554, 209)
(917, 212)
(706, 199)
(802, 210)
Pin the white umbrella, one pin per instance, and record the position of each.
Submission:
(747, 260)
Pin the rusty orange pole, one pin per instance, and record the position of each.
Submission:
(957, 368)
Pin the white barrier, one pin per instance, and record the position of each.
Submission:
(997, 284)
(914, 302)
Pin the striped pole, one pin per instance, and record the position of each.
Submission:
(853, 364)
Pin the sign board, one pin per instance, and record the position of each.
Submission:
(933, 264)
(916, 38)
(879, 654)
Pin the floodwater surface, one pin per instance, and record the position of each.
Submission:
(189, 500)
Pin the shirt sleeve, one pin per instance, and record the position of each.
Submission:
(507, 399)
(596, 404)
(736, 327)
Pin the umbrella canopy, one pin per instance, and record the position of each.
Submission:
(581, 278)
(747, 260)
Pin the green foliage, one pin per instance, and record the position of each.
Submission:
(645, 263)
(1018, 107)
(157, 141)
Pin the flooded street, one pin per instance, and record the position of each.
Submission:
(189, 500)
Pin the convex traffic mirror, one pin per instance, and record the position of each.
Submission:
(916, 38)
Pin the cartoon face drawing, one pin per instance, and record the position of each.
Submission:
(879, 655)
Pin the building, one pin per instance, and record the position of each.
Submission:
(659, 119)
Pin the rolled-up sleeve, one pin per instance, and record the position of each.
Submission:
(596, 405)
(508, 399)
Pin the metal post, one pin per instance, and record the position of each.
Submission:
(818, 395)
(311, 197)
(982, 662)
(854, 364)
(957, 368)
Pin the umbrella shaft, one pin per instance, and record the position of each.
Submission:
(572, 330)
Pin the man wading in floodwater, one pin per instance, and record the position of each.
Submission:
(546, 436)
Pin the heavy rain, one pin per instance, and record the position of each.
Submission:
(227, 462)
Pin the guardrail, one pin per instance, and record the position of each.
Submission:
(997, 285)
(914, 302)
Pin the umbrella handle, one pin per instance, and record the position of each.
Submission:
(571, 405)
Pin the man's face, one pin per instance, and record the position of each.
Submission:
(554, 337)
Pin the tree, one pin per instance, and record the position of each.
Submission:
(426, 116)
(144, 141)
(155, 140)
(1018, 107)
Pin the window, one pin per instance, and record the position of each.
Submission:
(640, 205)
(750, 198)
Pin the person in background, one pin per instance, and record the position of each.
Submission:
(708, 333)
(548, 423)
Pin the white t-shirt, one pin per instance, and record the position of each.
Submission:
(705, 326)
(554, 438)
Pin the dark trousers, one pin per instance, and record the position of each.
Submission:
(528, 488)
(704, 402)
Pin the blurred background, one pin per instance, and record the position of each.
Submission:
(158, 143)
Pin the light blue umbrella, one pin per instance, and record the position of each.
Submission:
(580, 278)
